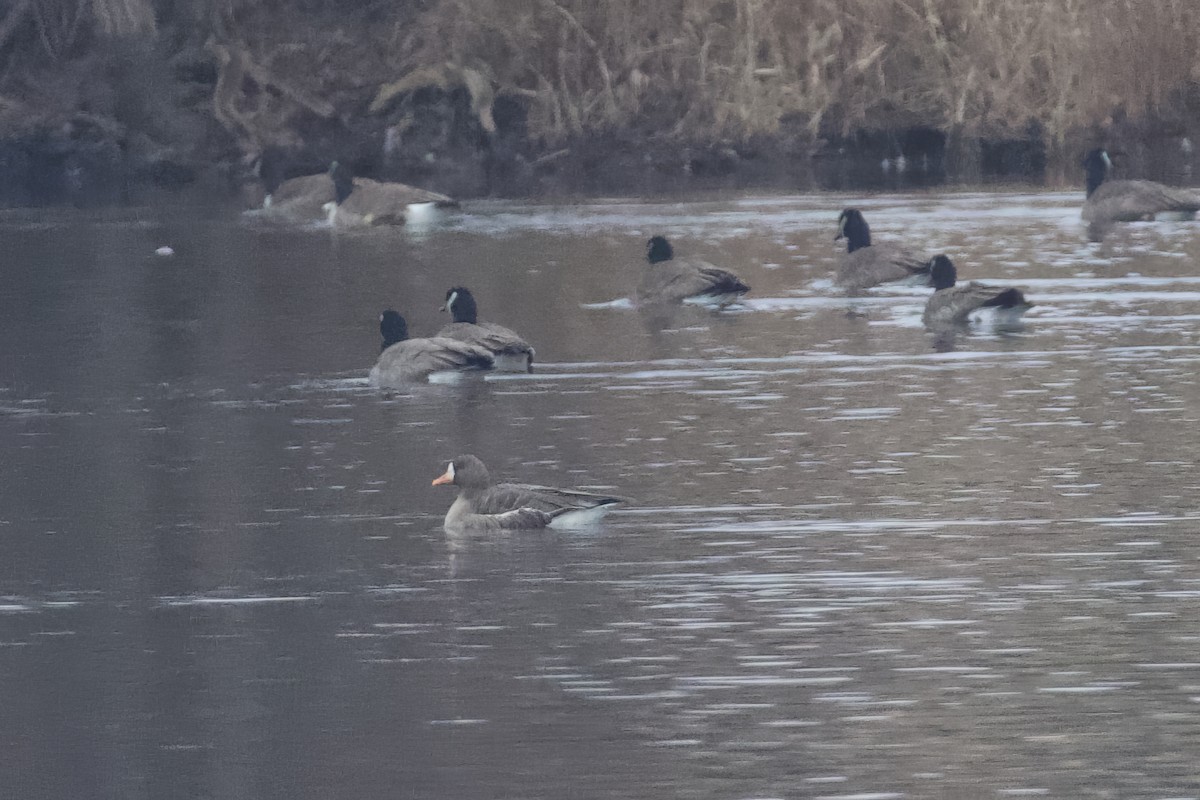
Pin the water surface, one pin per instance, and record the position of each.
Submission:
(864, 561)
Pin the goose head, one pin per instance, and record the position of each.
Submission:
(465, 472)
(854, 229)
(343, 182)
(1096, 164)
(392, 327)
(659, 249)
(271, 168)
(942, 272)
(461, 304)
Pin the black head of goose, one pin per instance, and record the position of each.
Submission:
(1096, 165)
(392, 327)
(343, 182)
(672, 280)
(461, 305)
(954, 303)
(481, 503)
(337, 211)
(404, 360)
(866, 264)
(853, 227)
(658, 250)
(511, 351)
(271, 168)
(1109, 201)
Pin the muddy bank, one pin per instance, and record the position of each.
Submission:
(85, 163)
(121, 100)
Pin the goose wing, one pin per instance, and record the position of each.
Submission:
(388, 202)
(518, 519)
(674, 281)
(379, 202)
(879, 263)
(488, 335)
(508, 496)
(300, 199)
(413, 359)
(1129, 201)
(956, 303)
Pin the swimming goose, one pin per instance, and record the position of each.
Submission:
(405, 360)
(510, 350)
(953, 304)
(671, 280)
(514, 506)
(1127, 200)
(866, 265)
(339, 196)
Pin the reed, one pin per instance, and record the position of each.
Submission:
(675, 71)
(731, 69)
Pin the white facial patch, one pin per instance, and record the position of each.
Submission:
(450, 301)
(450, 470)
(1107, 160)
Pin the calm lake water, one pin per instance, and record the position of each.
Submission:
(863, 561)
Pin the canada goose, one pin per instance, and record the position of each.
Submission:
(405, 360)
(1127, 200)
(339, 196)
(671, 280)
(510, 350)
(513, 506)
(866, 265)
(952, 304)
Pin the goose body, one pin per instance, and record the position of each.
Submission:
(510, 350)
(671, 280)
(344, 200)
(405, 360)
(1130, 200)
(866, 264)
(954, 303)
(483, 504)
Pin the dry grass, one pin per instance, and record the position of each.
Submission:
(667, 70)
(714, 69)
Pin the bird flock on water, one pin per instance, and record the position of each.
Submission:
(468, 344)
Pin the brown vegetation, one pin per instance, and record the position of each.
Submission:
(699, 72)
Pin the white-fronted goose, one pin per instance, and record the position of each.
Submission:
(405, 360)
(1111, 201)
(953, 304)
(673, 280)
(866, 264)
(482, 504)
(510, 350)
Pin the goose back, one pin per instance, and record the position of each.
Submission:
(866, 264)
(1133, 200)
(417, 359)
(675, 280)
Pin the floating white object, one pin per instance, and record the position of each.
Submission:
(164, 251)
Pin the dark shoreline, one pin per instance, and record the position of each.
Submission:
(83, 165)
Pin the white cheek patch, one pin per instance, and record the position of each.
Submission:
(450, 470)
(450, 301)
